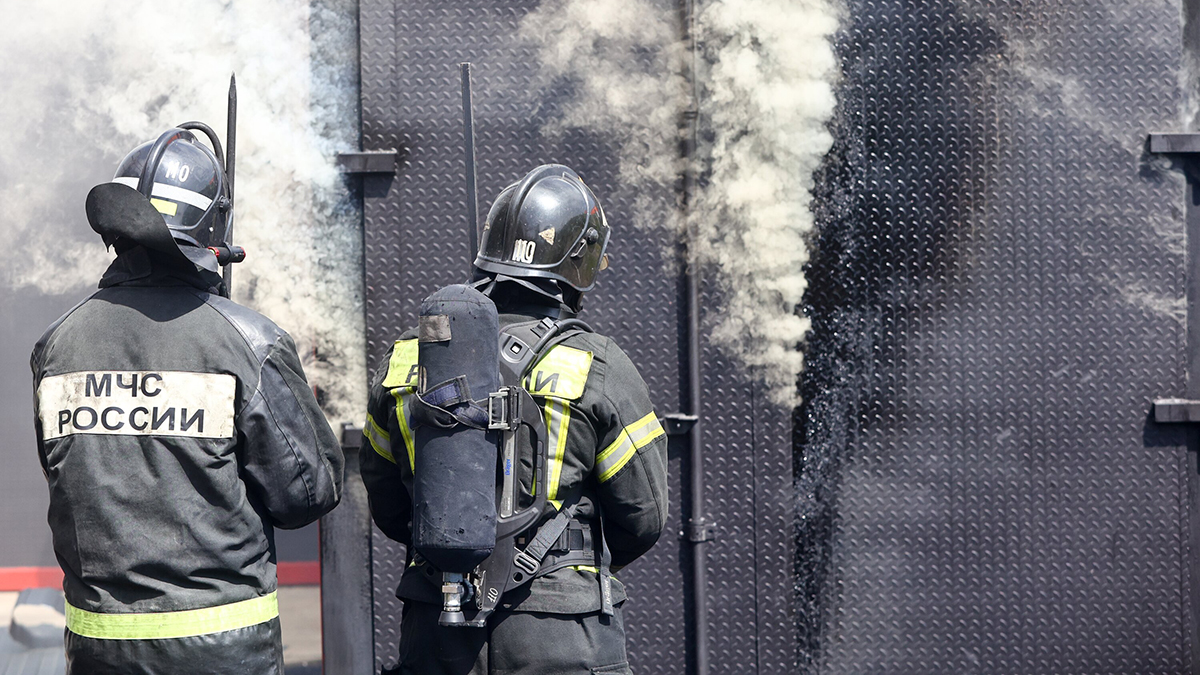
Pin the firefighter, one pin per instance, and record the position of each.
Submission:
(176, 430)
(542, 246)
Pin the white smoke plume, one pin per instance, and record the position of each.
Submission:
(766, 92)
(87, 81)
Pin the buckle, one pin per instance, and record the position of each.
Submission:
(526, 562)
(504, 409)
(498, 412)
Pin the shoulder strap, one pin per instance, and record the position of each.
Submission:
(522, 345)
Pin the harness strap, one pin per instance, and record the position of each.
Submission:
(551, 533)
(449, 404)
(574, 548)
(603, 563)
(529, 560)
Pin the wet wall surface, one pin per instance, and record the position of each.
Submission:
(997, 296)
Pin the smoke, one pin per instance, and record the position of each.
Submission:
(766, 78)
(88, 81)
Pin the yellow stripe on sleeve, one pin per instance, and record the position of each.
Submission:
(633, 437)
(380, 439)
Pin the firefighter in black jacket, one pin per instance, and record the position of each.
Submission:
(175, 429)
(544, 242)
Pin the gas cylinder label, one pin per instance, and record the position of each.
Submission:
(137, 403)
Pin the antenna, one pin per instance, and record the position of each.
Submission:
(230, 154)
(469, 148)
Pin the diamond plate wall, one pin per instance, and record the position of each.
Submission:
(998, 295)
(416, 241)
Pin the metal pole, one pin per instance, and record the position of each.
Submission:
(699, 529)
(347, 590)
(469, 149)
(230, 163)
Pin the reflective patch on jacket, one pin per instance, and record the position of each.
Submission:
(401, 380)
(561, 373)
(558, 421)
(137, 403)
(560, 376)
(402, 366)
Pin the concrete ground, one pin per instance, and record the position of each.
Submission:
(299, 617)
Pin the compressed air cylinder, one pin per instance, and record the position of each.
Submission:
(454, 484)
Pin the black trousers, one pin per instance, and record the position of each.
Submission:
(514, 643)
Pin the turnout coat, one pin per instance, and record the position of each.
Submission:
(605, 443)
(176, 430)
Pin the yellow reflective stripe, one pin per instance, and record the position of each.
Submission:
(637, 435)
(401, 379)
(165, 207)
(561, 373)
(402, 366)
(405, 431)
(558, 421)
(586, 568)
(615, 456)
(166, 625)
(645, 430)
(380, 439)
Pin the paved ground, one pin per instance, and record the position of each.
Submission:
(299, 615)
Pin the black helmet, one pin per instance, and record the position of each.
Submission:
(186, 183)
(548, 226)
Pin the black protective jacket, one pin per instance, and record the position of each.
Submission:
(605, 442)
(176, 429)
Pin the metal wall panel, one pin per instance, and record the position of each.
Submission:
(415, 229)
(998, 296)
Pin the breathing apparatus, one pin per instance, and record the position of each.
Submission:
(473, 420)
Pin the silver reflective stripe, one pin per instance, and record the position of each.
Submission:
(637, 435)
(380, 440)
(614, 457)
(558, 420)
(172, 192)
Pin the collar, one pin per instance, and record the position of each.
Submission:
(141, 266)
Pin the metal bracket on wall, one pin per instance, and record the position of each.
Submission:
(1187, 145)
(701, 531)
(678, 424)
(351, 436)
(1174, 144)
(1174, 410)
(375, 161)
(1177, 410)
